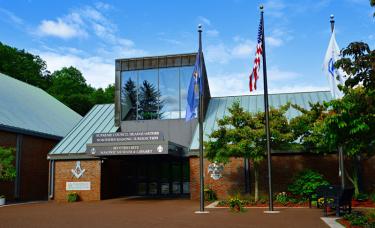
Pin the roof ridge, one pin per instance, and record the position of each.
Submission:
(245, 95)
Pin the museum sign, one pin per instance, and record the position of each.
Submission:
(127, 143)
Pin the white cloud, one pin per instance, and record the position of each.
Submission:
(204, 20)
(171, 41)
(221, 53)
(83, 22)
(97, 72)
(10, 16)
(275, 8)
(275, 74)
(232, 84)
(297, 88)
(273, 41)
(59, 28)
(103, 6)
(228, 84)
(218, 53)
(212, 33)
(244, 49)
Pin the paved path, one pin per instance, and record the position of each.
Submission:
(149, 213)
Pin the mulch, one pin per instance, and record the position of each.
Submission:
(355, 203)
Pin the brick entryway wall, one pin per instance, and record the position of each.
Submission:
(284, 167)
(233, 179)
(63, 174)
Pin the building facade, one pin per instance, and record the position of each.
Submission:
(31, 123)
(142, 145)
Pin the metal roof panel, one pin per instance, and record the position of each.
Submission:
(100, 119)
(28, 108)
(218, 107)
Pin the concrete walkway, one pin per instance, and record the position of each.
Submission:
(149, 213)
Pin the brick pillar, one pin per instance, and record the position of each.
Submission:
(64, 174)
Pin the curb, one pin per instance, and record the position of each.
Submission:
(331, 222)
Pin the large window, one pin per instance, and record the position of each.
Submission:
(155, 93)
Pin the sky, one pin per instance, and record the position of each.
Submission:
(90, 35)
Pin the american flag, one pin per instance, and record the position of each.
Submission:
(254, 74)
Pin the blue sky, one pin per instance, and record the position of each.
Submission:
(90, 35)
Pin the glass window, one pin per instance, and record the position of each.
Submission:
(148, 94)
(155, 93)
(169, 91)
(129, 85)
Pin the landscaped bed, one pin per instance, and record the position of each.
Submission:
(299, 192)
(357, 219)
(262, 203)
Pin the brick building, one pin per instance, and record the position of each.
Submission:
(140, 146)
(32, 122)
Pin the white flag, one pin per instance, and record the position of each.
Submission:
(335, 76)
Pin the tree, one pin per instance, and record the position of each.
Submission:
(242, 134)
(149, 102)
(104, 96)
(359, 63)
(351, 124)
(7, 169)
(351, 119)
(24, 66)
(307, 128)
(372, 3)
(129, 100)
(69, 86)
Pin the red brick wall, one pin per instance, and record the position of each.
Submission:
(63, 174)
(284, 167)
(231, 182)
(33, 166)
(368, 173)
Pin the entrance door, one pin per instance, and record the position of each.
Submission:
(129, 184)
(164, 176)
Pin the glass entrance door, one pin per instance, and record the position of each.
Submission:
(156, 176)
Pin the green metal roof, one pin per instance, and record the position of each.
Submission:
(218, 107)
(30, 110)
(100, 119)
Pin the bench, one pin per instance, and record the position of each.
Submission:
(334, 197)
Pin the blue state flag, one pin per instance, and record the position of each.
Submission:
(194, 90)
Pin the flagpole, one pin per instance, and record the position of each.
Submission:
(340, 150)
(200, 122)
(266, 111)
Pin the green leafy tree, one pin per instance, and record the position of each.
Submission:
(69, 86)
(104, 96)
(351, 122)
(242, 134)
(372, 3)
(24, 66)
(359, 63)
(7, 169)
(149, 102)
(307, 128)
(129, 100)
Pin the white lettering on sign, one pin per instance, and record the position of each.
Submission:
(78, 186)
